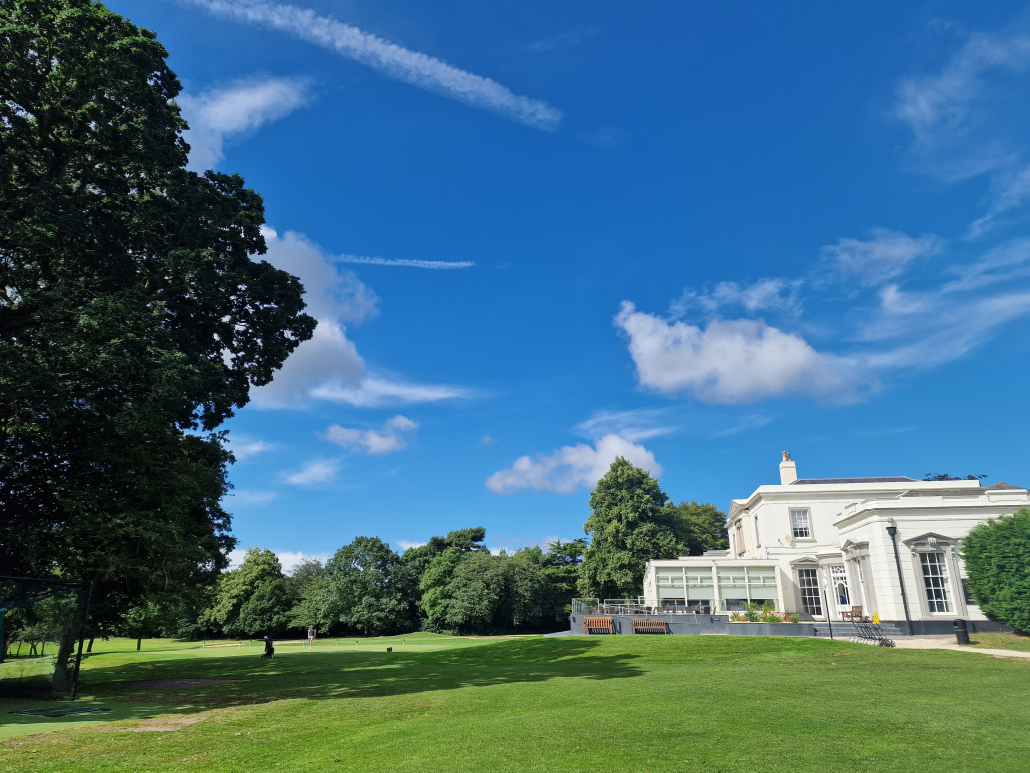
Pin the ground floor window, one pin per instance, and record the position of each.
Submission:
(935, 578)
(808, 581)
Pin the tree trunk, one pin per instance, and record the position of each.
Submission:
(64, 666)
(89, 647)
(139, 642)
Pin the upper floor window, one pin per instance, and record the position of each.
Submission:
(801, 524)
(758, 536)
(741, 547)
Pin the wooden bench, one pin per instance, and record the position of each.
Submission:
(602, 625)
(650, 626)
(854, 615)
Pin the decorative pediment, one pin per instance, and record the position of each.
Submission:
(931, 541)
(805, 560)
(852, 549)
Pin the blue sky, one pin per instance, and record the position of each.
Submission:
(538, 236)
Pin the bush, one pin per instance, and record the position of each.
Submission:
(997, 556)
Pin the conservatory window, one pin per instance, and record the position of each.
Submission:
(801, 524)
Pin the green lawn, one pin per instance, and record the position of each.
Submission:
(624, 703)
(1000, 641)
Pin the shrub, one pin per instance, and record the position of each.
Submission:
(794, 618)
(997, 556)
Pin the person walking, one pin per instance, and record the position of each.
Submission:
(311, 636)
(269, 649)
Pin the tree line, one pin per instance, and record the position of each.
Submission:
(450, 584)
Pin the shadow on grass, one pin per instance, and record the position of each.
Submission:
(346, 674)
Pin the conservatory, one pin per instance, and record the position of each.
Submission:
(707, 587)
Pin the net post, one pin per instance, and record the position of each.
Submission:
(82, 636)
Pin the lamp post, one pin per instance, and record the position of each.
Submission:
(893, 531)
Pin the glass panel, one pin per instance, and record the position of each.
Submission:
(800, 524)
(762, 592)
(935, 578)
(808, 581)
(731, 575)
(670, 594)
(761, 575)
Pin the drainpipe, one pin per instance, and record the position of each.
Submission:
(893, 531)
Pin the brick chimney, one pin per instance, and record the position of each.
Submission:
(788, 470)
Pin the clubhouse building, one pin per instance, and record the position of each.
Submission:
(834, 550)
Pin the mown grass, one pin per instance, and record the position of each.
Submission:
(1000, 641)
(624, 703)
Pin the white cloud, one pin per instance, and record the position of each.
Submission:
(431, 264)
(881, 258)
(729, 361)
(638, 424)
(935, 106)
(570, 468)
(390, 59)
(375, 392)
(289, 560)
(486, 440)
(328, 366)
(775, 294)
(565, 40)
(969, 119)
(314, 472)
(254, 498)
(222, 114)
(1003, 263)
(404, 544)
(754, 421)
(244, 448)
(392, 437)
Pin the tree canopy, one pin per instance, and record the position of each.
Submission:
(997, 556)
(134, 318)
(631, 522)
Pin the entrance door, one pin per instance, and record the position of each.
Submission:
(808, 582)
(841, 592)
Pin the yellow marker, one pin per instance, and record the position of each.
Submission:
(876, 618)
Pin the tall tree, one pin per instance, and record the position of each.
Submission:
(630, 523)
(700, 527)
(366, 588)
(237, 587)
(561, 567)
(134, 320)
(443, 554)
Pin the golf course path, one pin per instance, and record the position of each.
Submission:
(943, 644)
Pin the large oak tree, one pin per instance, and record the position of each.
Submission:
(133, 318)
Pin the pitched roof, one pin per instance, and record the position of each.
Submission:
(815, 481)
(961, 492)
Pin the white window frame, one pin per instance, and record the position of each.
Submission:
(758, 537)
(817, 587)
(742, 543)
(796, 513)
(943, 578)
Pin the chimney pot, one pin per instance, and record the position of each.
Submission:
(788, 470)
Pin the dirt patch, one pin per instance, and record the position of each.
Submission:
(178, 684)
(158, 725)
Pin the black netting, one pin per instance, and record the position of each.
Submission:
(41, 626)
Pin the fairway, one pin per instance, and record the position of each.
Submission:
(625, 703)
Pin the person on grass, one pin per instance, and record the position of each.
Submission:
(269, 649)
(311, 636)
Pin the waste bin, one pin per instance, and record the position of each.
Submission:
(961, 632)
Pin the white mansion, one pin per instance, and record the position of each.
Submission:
(820, 547)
